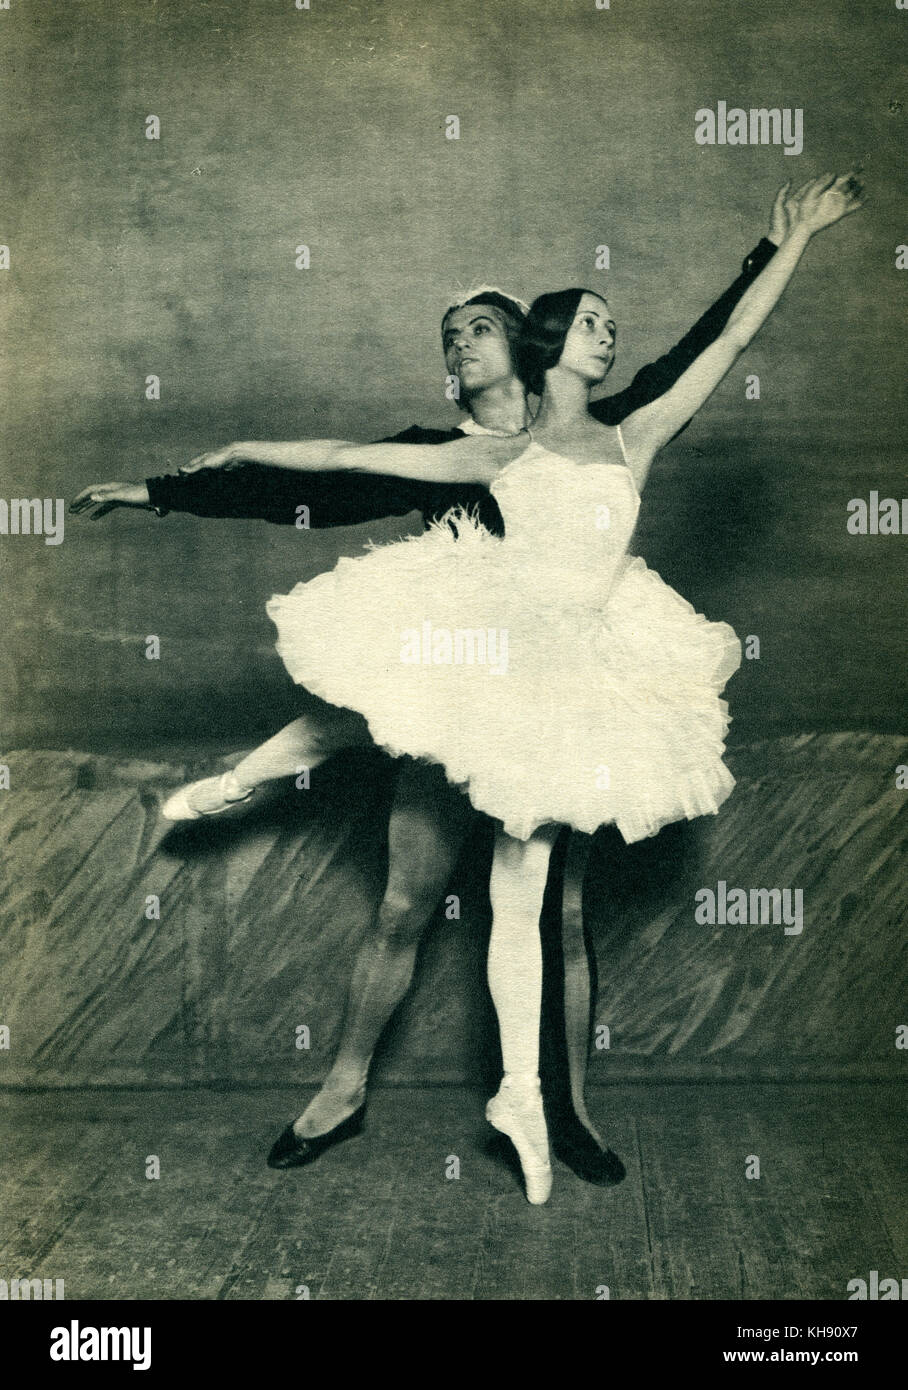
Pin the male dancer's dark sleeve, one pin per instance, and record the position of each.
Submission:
(343, 498)
(658, 377)
(333, 498)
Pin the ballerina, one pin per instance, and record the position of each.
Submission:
(637, 672)
(610, 708)
(426, 821)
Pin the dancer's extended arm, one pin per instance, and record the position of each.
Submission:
(819, 204)
(252, 491)
(473, 460)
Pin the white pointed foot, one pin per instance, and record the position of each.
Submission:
(518, 1113)
(205, 798)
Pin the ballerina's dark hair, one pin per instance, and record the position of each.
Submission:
(541, 340)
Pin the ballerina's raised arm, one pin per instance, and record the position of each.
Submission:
(816, 205)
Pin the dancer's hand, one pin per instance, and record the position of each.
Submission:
(101, 498)
(779, 220)
(217, 458)
(824, 201)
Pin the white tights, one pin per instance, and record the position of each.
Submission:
(519, 872)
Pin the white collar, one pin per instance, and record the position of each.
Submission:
(470, 426)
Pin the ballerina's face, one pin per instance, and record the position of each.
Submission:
(477, 348)
(589, 347)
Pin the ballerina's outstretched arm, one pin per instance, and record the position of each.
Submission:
(475, 459)
(816, 205)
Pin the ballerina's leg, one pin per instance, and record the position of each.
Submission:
(519, 870)
(302, 744)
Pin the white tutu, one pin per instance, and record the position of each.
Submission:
(552, 675)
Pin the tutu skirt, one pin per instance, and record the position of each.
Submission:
(548, 694)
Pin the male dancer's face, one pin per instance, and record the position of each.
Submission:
(477, 348)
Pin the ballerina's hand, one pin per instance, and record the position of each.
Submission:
(101, 498)
(218, 458)
(826, 200)
(779, 217)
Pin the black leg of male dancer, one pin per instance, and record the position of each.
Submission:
(569, 991)
(427, 826)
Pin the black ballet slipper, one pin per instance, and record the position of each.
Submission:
(577, 1149)
(288, 1151)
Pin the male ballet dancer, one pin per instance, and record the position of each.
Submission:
(428, 818)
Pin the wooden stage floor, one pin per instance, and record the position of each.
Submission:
(376, 1218)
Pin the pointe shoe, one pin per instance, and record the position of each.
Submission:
(289, 1151)
(208, 797)
(511, 1117)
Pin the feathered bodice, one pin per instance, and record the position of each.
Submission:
(572, 520)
